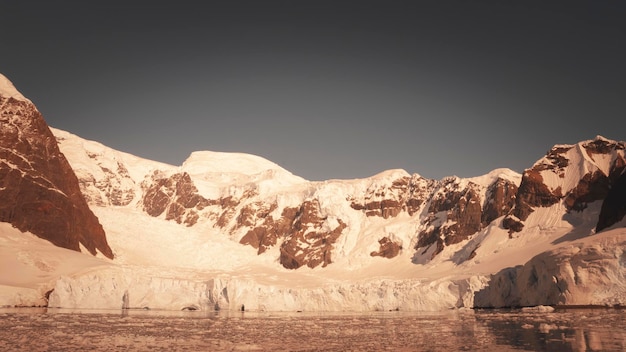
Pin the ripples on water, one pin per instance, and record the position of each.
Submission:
(562, 330)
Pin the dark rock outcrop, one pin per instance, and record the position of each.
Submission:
(388, 248)
(500, 199)
(176, 195)
(266, 231)
(305, 236)
(532, 192)
(309, 243)
(387, 201)
(455, 213)
(614, 206)
(39, 191)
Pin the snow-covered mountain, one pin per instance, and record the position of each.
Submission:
(226, 229)
(571, 175)
(258, 203)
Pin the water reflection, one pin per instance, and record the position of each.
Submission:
(562, 330)
(461, 330)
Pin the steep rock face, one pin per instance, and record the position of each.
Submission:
(265, 231)
(311, 241)
(614, 205)
(500, 200)
(454, 213)
(39, 191)
(459, 208)
(532, 193)
(407, 193)
(573, 174)
(450, 210)
(175, 195)
(306, 237)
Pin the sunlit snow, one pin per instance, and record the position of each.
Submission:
(160, 264)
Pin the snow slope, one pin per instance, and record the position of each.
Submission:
(29, 267)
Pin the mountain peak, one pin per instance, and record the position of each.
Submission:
(602, 138)
(207, 162)
(503, 173)
(7, 89)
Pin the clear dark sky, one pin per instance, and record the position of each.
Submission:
(326, 89)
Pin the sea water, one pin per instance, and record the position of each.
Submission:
(455, 330)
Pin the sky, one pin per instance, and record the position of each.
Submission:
(326, 89)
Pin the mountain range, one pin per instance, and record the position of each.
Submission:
(87, 226)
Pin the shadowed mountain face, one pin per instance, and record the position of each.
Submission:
(614, 205)
(39, 191)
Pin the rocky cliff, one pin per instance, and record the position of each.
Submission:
(39, 191)
(574, 175)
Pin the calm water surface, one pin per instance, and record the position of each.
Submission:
(490, 330)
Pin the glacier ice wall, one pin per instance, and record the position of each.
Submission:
(116, 288)
(589, 272)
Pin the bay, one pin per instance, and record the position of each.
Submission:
(30, 329)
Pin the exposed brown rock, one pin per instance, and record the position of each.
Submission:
(614, 205)
(385, 208)
(306, 238)
(404, 194)
(467, 217)
(461, 210)
(602, 146)
(596, 185)
(512, 224)
(266, 231)
(309, 243)
(428, 238)
(531, 193)
(157, 196)
(593, 186)
(228, 206)
(39, 191)
(388, 248)
(177, 196)
(557, 160)
(500, 200)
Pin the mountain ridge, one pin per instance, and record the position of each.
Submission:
(260, 211)
(198, 235)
